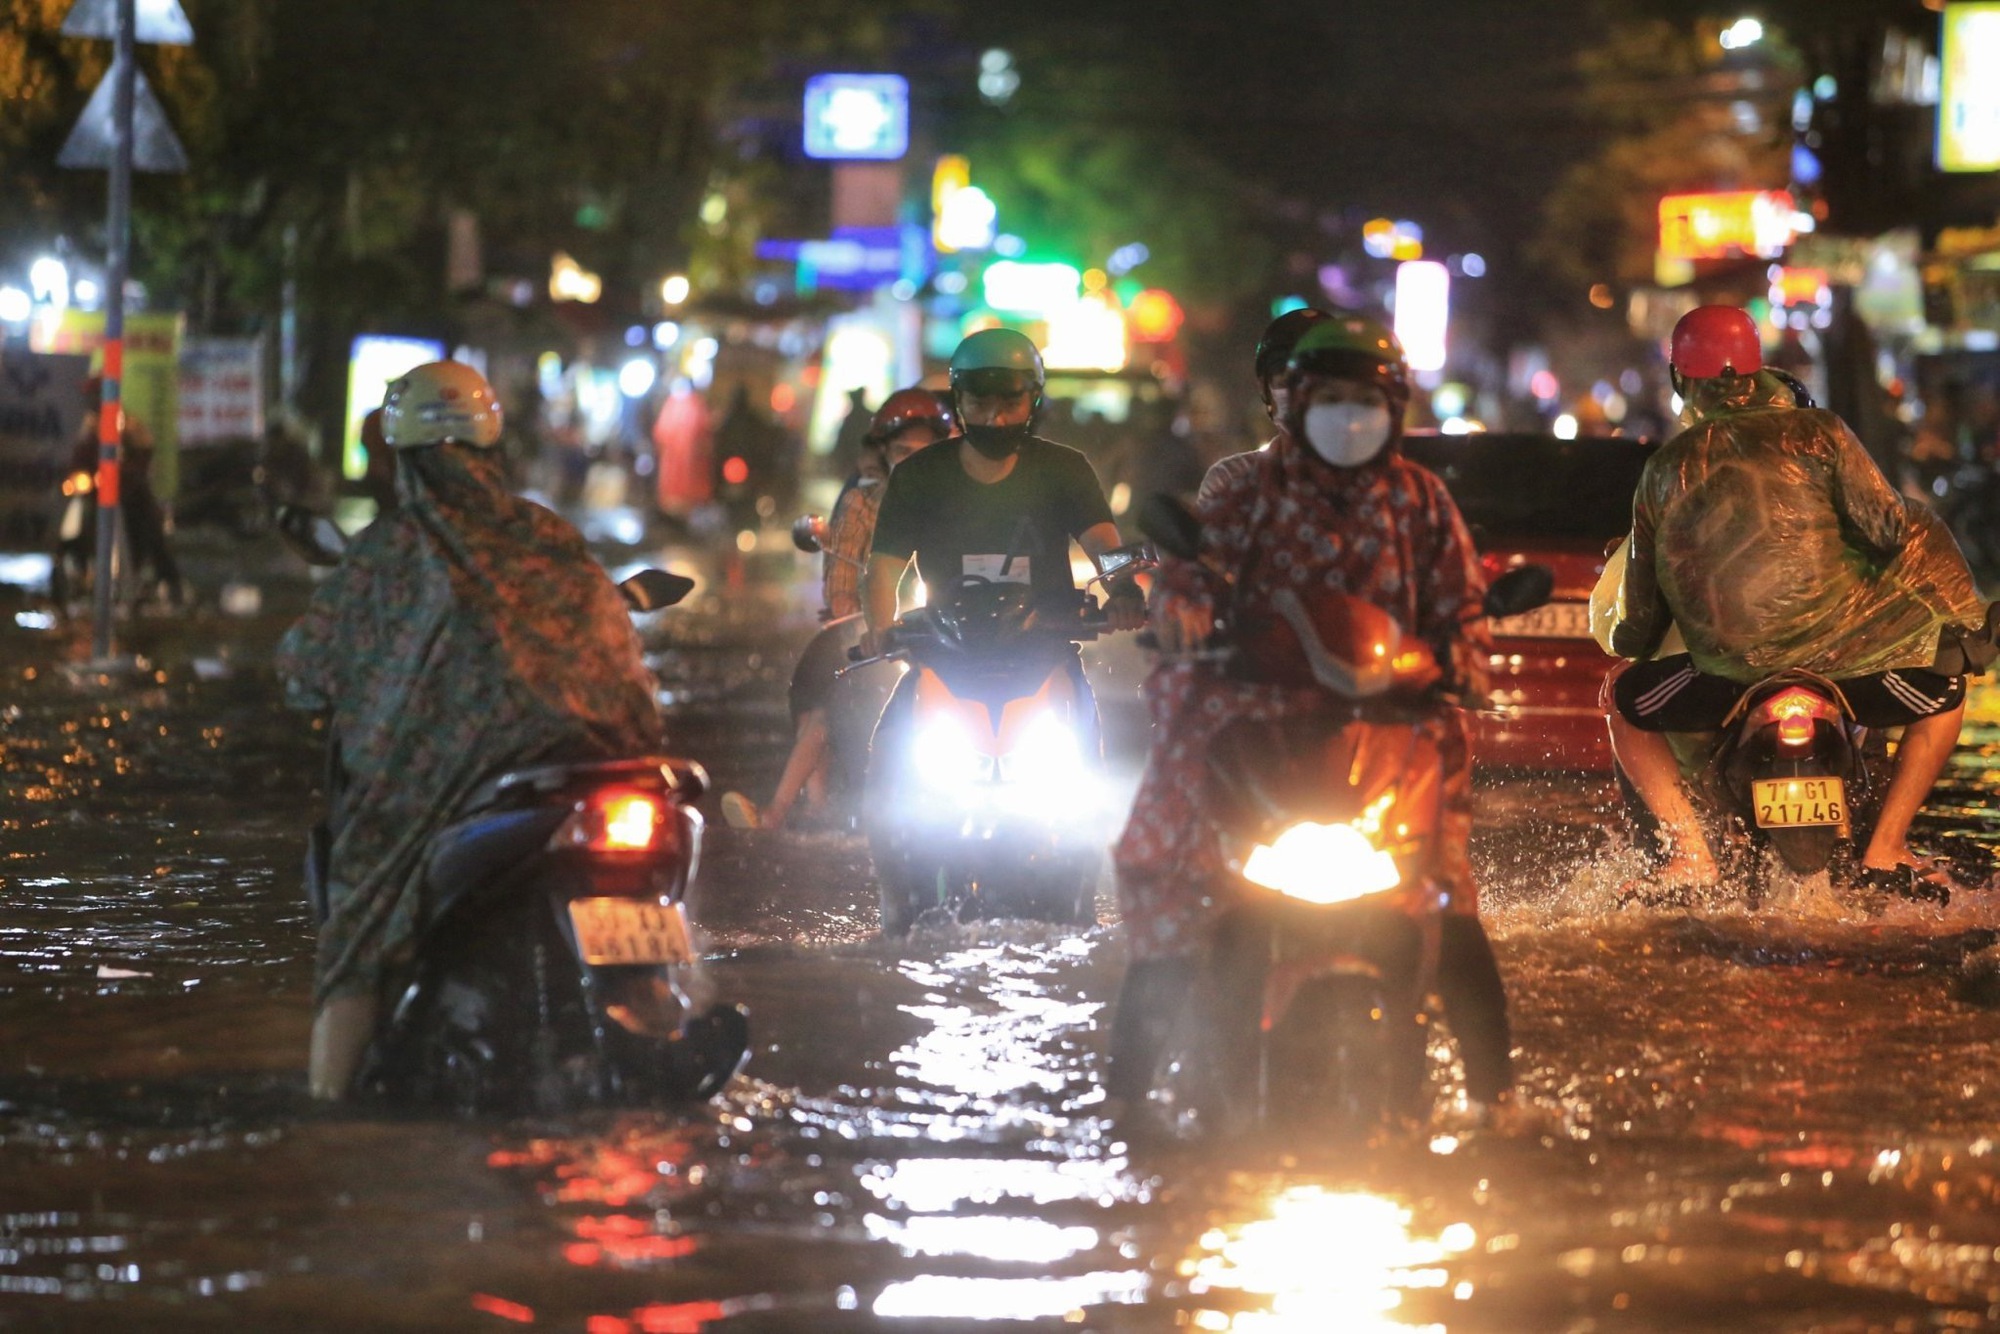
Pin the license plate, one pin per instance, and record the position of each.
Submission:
(1787, 803)
(629, 931)
(1557, 620)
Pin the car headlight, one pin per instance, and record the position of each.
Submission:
(945, 756)
(1322, 863)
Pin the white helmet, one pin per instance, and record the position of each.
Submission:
(444, 400)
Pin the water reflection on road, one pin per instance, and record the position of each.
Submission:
(1765, 1122)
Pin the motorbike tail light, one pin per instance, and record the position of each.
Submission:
(617, 820)
(1795, 712)
(78, 484)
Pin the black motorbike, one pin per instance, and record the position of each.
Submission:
(551, 970)
(984, 791)
(1788, 784)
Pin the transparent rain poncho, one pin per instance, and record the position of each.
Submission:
(1767, 536)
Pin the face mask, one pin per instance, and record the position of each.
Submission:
(1346, 435)
(996, 442)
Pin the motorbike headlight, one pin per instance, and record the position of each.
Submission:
(1046, 754)
(1322, 863)
(945, 756)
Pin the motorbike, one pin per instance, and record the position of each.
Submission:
(1310, 1007)
(70, 565)
(552, 971)
(984, 788)
(1787, 783)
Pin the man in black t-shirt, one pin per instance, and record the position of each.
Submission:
(997, 503)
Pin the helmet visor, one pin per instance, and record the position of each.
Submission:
(994, 382)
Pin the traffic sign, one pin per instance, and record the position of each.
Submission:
(94, 141)
(159, 22)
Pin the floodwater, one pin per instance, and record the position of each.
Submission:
(1779, 1122)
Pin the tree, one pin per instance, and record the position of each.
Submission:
(1679, 113)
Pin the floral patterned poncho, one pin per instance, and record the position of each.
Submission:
(1387, 532)
(467, 633)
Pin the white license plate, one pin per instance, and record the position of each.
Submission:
(629, 931)
(1788, 803)
(1557, 620)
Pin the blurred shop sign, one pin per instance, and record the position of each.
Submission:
(41, 412)
(857, 116)
(1968, 137)
(1882, 272)
(152, 386)
(1727, 224)
(222, 390)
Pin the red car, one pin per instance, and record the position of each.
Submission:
(1563, 504)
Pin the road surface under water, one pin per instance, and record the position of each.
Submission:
(1779, 1122)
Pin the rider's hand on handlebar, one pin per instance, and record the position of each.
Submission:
(1182, 623)
(1125, 610)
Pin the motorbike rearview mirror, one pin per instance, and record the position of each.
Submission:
(1523, 588)
(1171, 525)
(313, 537)
(809, 533)
(655, 590)
(1120, 559)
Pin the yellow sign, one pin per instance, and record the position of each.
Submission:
(1969, 98)
(151, 388)
(1727, 224)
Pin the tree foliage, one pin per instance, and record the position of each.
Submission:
(1678, 113)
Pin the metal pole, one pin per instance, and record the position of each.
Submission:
(110, 416)
(288, 330)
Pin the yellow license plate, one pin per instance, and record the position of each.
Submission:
(629, 931)
(1787, 803)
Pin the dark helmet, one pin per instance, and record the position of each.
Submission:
(1002, 358)
(905, 408)
(1274, 349)
(1349, 346)
(1716, 340)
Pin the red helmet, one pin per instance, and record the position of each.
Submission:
(906, 408)
(1716, 340)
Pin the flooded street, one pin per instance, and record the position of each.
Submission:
(1780, 1122)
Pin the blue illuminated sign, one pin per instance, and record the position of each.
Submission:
(857, 116)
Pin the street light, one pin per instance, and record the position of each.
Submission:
(1744, 32)
(48, 278)
(675, 290)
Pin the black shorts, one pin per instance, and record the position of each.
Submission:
(813, 680)
(1669, 695)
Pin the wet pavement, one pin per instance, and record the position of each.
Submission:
(1783, 1121)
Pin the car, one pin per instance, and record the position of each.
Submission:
(1563, 504)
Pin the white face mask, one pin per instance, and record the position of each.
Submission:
(1347, 435)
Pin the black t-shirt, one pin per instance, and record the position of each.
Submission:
(954, 526)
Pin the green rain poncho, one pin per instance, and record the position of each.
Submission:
(1766, 533)
(467, 632)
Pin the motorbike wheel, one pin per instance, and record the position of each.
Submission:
(1334, 1065)
(1066, 892)
(905, 889)
(472, 1039)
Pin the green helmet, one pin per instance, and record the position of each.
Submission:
(1004, 350)
(1352, 346)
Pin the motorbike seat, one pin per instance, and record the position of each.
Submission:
(483, 848)
(685, 777)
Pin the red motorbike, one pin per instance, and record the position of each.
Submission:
(1311, 1004)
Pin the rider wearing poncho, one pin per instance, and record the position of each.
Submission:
(1765, 534)
(467, 632)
